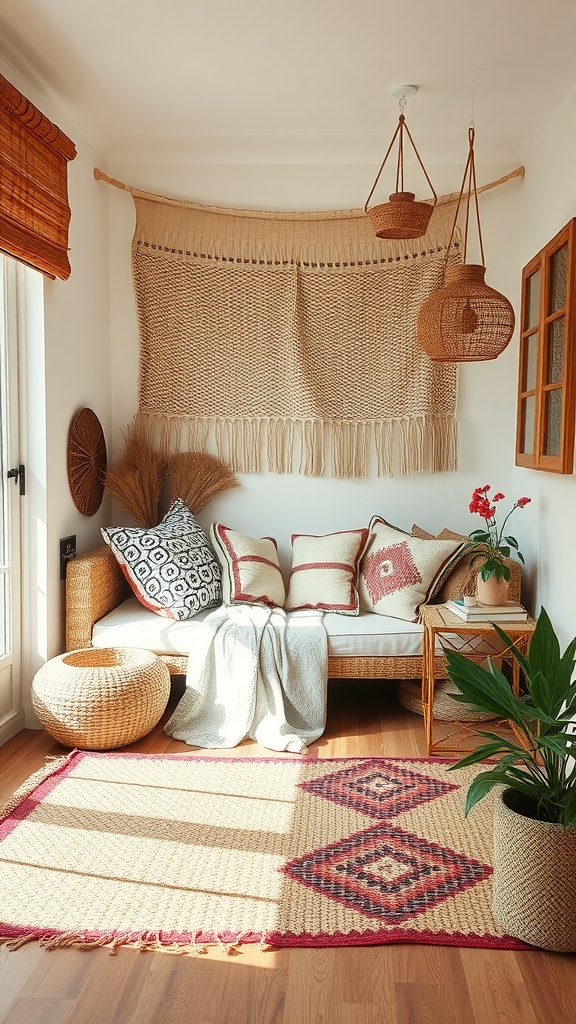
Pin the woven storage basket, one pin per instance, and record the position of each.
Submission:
(401, 217)
(466, 320)
(98, 699)
(445, 709)
(534, 884)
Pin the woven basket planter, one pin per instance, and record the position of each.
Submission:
(98, 699)
(534, 884)
(401, 217)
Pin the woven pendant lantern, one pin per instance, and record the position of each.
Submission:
(401, 217)
(465, 321)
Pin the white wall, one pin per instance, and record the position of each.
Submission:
(75, 346)
(280, 505)
(78, 365)
(548, 202)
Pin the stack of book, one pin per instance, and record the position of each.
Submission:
(509, 612)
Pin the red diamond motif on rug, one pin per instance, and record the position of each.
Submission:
(386, 873)
(378, 787)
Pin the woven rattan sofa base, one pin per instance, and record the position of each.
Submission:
(95, 586)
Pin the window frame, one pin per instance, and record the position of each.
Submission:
(537, 459)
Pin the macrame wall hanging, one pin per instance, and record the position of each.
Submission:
(287, 342)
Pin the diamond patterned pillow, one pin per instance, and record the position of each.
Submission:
(400, 572)
(250, 569)
(170, 567)
(460, 579)
(325, 571)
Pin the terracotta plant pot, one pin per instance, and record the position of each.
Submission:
(534, 884)
(492, 591)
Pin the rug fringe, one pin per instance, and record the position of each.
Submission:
(54, 763)
(142, 942)
(12, 943)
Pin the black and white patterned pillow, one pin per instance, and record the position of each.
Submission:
(171, 567)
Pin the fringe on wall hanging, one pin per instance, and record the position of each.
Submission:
(287, 342)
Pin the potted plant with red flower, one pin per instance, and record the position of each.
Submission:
(496, 545)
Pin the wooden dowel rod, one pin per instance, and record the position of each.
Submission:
(519, 172)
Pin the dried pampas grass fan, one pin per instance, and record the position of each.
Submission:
(197, 477)
(136, 480)
(144, 482)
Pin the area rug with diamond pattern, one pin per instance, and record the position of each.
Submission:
(184, 851)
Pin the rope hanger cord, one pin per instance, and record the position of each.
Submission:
(100, 175)
(469, 184)
(400, 129)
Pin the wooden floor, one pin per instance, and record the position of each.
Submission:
(368, 985)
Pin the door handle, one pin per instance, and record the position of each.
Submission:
(18, 474)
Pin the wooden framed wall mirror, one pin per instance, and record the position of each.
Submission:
(546, 384)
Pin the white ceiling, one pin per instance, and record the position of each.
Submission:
(299, 81)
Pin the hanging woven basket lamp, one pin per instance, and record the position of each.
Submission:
(465, 320)
(401, 217)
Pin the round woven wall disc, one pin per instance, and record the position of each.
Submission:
(86, 461)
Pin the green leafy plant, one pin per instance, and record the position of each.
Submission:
(537, 762)
(497, 546)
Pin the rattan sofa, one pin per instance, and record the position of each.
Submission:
(95, 586)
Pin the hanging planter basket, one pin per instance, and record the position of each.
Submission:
(401, 217)
(466, 320)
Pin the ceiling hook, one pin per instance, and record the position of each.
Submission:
(401, 94)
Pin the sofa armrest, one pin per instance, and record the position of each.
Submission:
(515, 585)
(463, 578)
(95, 585)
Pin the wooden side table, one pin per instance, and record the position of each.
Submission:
(477, 640)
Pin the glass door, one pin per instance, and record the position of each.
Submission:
(11, 487)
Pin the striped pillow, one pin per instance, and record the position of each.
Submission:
(325, 571)
(250, 569)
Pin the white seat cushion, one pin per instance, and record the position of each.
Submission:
(364, 636)
(369, 635)
(132, 625)
(372, 636)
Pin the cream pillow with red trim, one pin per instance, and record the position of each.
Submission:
(400, 572)
(250, 570)
(325, 571)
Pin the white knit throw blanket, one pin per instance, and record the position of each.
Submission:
(254, 672)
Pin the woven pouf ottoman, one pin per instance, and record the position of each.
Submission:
(98, 699)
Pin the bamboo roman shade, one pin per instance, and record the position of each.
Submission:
(34, 210)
